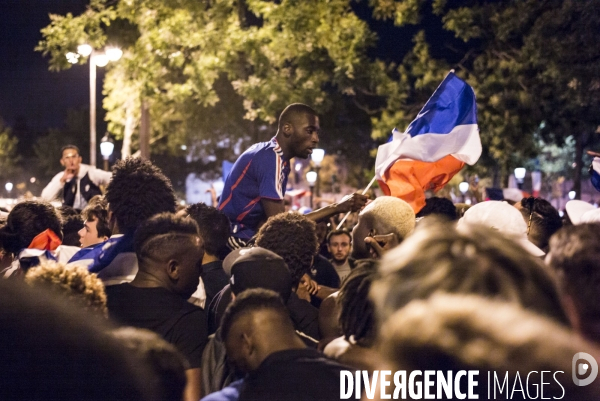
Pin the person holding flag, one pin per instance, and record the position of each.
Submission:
(435, 146)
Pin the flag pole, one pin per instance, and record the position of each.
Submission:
(363, 192)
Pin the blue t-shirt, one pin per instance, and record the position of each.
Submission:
(260, 172)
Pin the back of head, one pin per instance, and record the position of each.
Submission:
(291, 112)
(293, 237)
(392, 214)
(70, 228)
(357, 313)
(55, 352)
(575, 256)
(439, 207)
(214, 227)
(542, 220)
(465, 332)
(163, 358)
(25, 221)
(74, 283)
(472, 260)
(252, 301)
(137, 191)
(161, 237)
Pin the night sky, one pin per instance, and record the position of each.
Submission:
(29, 91)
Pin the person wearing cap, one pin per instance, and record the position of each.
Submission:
(581, 212)
(255, 187)
(78, 183)
(575, 256)
(504, 218)
(248, 268)
(261, 341)
(169, 252)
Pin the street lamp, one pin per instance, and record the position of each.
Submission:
(520, 176)
(317, 157)
(463, 188)
(572, 195)
(107, 146)
(8, 186)
(100, 59)
(311, 178)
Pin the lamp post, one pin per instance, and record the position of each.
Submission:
(107, 146)
(8, 186)
(317, 157)
(520, 176)
(463, 188)
(100, 59)
(311, 178)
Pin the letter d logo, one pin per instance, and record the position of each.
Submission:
(582, 368)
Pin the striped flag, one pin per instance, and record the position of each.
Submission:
(436, 145)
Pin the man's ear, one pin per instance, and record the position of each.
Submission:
(287, 130)
(173, 269)
(248, 344)
(62, 163)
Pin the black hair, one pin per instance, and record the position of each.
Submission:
(161, 234)
(575, 255)
(291, 112)
(249, 301)
(62, 150)
(357, 313)
(542, 220)
(162, 357)
(25, 221)
(439, 206)
(54, 351)
(70, 228)
(214, 227)
(341, 231)
(66, 211)
(293, 237)
(96, 210)
(137, 191)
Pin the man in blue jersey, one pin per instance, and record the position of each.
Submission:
(255, 188)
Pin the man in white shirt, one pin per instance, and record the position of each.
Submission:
(78, 183)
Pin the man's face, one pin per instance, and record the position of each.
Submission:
(88, 235)
(190, 265)
(70, 160)
(339, 247)
(304, 135)
(359, 233)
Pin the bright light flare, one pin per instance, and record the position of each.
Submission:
(114, 53)
(85, 50)
(72, 58)
(100, 59)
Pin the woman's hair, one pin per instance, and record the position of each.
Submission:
(25, 221)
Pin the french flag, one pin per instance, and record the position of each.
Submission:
(435, 146)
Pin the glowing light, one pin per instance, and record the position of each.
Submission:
(520, 173)
(463, 187)
(8, 186)
(85, 50)
(72, 58)
(32, 180)
(311, 177)
(317, 156)
(100, 59)
(113, 53)
(572, 194)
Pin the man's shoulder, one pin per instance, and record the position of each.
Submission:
(261, 150)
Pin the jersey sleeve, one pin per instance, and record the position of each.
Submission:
(269, 171)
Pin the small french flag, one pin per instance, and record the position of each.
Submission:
(435, 146)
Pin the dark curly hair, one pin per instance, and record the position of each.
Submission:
(138, 190)
(214, 227)
(25, 221)
(293, 237)
(161, 234)
(97, 210)
(357, 312)
(70, 227)
(439, 206)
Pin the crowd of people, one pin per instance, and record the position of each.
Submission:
(125, 295)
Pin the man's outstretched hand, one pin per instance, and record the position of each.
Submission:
(352, 203)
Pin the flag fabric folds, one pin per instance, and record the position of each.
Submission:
(436, 145)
